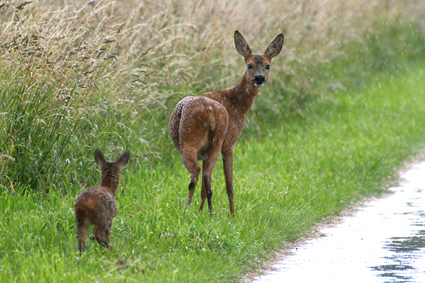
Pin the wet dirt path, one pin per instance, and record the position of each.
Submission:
(383, 241)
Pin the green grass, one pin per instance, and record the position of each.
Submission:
(294, 173)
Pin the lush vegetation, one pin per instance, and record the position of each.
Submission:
(341, 113)
(295, 174)
(107, 74)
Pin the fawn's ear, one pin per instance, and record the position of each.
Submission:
(123, 160)
(275, 46)
(241, 45)
(98, 157)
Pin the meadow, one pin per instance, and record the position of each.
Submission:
(295, 174)
(341, 113)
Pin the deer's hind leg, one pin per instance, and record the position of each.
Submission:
(207, 170)
(108, 234)
(102, 232)
(83, 225)
(189, 156)
(203, 190)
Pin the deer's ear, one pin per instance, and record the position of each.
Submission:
(275, 46)
(98, 157)
(241, 45)
(123, 160)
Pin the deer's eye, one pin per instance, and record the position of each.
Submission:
(268, 67)
(250, 66)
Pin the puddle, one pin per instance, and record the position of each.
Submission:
(384, 241)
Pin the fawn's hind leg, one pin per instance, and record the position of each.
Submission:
(82, 227)
(108, 234)
(101, 234)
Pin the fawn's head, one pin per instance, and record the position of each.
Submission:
(110, 172)
(258, 66)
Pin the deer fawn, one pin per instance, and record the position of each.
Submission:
(201, 127)
(96, 205)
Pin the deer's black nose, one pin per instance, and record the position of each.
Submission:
(259, 79)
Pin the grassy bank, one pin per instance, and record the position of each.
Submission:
(76, 76)
(292, 175)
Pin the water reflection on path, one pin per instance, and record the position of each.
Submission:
(384, 241)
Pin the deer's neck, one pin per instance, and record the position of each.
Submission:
(237, 100)
(244, 95)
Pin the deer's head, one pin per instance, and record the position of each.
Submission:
(110, 172)
(258, 65)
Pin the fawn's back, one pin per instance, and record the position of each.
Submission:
(95, 204)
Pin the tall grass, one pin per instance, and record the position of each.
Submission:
(77, 75)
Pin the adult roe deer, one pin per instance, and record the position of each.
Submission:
(96, 205)
(203, 126)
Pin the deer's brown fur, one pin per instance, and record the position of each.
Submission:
(96, 205)
(201, 127)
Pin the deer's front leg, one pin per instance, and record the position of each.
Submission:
(228, 174)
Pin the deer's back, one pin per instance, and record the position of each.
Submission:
(96, 204)
(196, 120)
